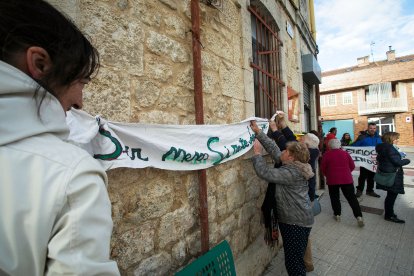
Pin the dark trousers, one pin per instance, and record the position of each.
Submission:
(389, 204)
(312, 187)
(295, 240)
(365, 174)
(349, 193)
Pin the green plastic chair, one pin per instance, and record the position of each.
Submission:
(217, 261)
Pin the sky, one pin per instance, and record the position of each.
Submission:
(349, 29)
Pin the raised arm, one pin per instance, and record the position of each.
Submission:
(268, 144)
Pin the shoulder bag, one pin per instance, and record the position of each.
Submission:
(385, 179)
(316, 207)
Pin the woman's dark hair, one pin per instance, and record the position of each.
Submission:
(24, 24)
(332, 129)
(346, 133)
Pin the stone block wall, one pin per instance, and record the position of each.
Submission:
(146, 76)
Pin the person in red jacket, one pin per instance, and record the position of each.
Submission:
(337, 165)
(331, 135)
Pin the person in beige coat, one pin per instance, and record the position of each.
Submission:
(54, 206)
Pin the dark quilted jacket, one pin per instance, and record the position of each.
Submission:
(389, 160)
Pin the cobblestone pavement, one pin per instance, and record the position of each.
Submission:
(343, 248)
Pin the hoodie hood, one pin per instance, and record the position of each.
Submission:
(304, 168)
(19, 113)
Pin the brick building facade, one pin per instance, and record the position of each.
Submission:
(380, 92)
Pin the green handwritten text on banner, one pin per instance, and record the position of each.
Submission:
(170, 147)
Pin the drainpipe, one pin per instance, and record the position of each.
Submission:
(319, 122)
(199, 114)
(317, 93)
(318, 108)
(312, 19)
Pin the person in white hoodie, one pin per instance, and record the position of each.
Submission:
(54, 207)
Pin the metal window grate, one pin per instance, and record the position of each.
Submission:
(266, 64)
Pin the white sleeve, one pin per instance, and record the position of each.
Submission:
(80, 241)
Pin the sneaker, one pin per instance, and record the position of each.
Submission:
(358, 193)
(373, 194)
(394, 219)
(360, 221)
(337, 218)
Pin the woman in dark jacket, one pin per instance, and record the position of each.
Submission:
(312, 142)
(390, 160)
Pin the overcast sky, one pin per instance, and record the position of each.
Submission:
(347, 28)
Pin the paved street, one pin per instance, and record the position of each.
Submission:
(379, 248)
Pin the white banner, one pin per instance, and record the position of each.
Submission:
(363, 157)
(170, 147)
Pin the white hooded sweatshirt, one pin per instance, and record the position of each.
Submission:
(55, 214)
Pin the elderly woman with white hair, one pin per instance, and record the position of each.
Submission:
(337, 165)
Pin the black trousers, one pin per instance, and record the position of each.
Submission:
(349, 193)
(389, 204)
(295, 240)
(365, 174)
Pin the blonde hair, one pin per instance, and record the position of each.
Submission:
(299, 151)
(390, 137)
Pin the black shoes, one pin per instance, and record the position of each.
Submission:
(373, 194)
(394, 219)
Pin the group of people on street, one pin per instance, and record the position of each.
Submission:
(291, 188)
(389, 160)
(45, 62)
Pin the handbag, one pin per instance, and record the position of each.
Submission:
(316, 207)
(385, 179)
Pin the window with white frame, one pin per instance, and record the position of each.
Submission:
(378, 92)
(384, 124)
(347, 98)
(331, 100)
(322, 101)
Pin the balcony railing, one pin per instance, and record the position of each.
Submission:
(382, 105)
